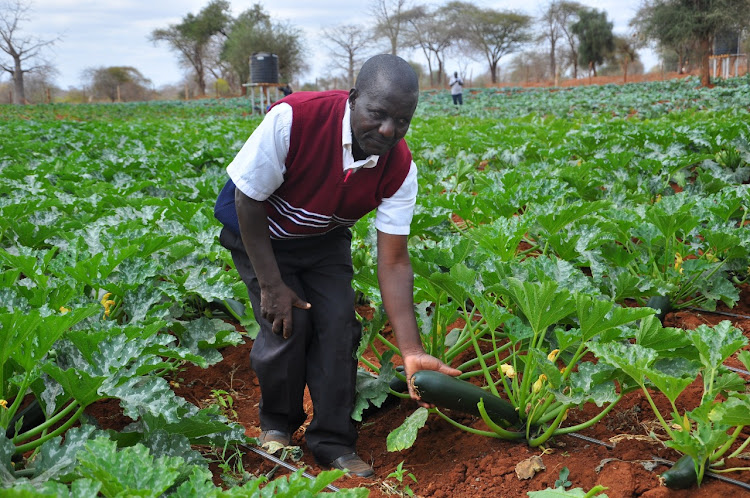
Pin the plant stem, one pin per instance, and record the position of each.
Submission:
(740, 449)
(657, 413)
(46, 424)
(462, 426)
(38, 442)
(592, 421)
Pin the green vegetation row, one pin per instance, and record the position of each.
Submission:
(546, 220)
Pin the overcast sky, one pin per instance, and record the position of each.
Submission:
(97, 33)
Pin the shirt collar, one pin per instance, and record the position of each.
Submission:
(346, 142)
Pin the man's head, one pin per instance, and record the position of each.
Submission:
(455, 74)
(382, 104)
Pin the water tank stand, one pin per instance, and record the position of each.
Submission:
(263, 94)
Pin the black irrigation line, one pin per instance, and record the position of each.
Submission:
(724, 313)
(669, 463)
(284, 464)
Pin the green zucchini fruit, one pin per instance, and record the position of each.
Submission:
(661, 303)
(682, 474)
(449, 392)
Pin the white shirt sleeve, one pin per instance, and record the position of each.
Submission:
(395, 213)
(258, 169)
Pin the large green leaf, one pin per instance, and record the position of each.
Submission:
(403, 437)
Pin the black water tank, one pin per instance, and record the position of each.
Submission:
(726, 43)
(264, 68)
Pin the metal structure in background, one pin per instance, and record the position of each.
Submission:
(726, 57)
(264, 76)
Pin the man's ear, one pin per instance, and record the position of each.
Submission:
(353, 94)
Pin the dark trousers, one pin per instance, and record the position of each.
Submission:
(320, 352)
(458, 99)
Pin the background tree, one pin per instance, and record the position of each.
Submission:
(389, 21)
(491, 33)
(595, 39)
(118, 83)
(624, 55)
(554, 24)
(191, 39)
(674, 23)
(348, 46)
(25, 52)
(253, 31)
(430, 31)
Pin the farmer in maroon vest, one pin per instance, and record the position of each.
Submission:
(317, 163)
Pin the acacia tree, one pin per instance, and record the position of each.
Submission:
(348, 45)
(253, 31)
(674, 23)
(492, 33)
(192, 38)
(25, 52)
(389, 21)
(118, 83)
(595, 39)
(555, 24)
(430, 30)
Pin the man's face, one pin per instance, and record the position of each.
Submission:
(380, 118)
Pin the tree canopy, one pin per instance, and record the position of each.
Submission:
(680, 25)
(596, 41)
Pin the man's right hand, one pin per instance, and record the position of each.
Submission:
(276, 305)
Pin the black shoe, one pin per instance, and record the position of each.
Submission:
(352, 464)
(274, 441)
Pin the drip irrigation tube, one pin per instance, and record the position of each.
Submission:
(669, 463)
(725, 313)
(284, 464)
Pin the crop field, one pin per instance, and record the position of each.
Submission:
(582, 255)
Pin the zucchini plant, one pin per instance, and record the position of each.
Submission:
(669, 360)
(533, 373)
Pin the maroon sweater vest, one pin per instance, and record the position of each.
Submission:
(316, 196)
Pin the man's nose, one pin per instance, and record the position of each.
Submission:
(387, 128)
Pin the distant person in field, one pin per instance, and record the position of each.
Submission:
(457, 89)
(317, 163)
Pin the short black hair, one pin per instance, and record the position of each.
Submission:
(389, 70)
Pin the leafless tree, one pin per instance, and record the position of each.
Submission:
(555, 27)
(25, 51)
(348, 46)
(429, 31)
(389, 20)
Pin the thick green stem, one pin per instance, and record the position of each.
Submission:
(496, 429)
(462, 426)
(534, 442)
(388, 344)
(657, 412)
(589, 423)
(485, 369)
(38, 442)
(739, 450)
(46, 424)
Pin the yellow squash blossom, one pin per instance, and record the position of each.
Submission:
(3, 403)
(538, 384)
(107, 303)
(64, 310)
(508, 370)
(553, 354)
(678, 262)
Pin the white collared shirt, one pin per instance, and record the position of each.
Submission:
(258, 169)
